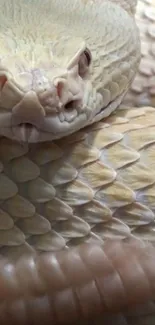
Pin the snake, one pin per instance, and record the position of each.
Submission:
(76, 162)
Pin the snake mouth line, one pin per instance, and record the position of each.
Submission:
(24, 131)
(52, 128)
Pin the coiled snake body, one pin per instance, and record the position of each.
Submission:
(67, 175)
(143, 90)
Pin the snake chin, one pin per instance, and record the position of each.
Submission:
(52, 128)
(47, 128)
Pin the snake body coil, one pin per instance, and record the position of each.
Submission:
(63, 69)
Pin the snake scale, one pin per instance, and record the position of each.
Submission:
(73, 169)
(142, 91)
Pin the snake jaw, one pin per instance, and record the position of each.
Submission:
(68, 105)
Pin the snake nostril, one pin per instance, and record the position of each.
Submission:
(26, 125)
(73, 104)
(69, 105)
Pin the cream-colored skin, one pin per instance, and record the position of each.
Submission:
(63, 66)
(97, 183)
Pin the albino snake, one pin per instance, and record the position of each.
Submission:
(65, 66)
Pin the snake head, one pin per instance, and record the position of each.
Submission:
(67, 71)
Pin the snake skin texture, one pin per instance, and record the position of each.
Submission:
(143, 88)
(83, 280)
(91, 186)
(97, 184)
(63, 193)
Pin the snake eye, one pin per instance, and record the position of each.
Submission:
(84, 62)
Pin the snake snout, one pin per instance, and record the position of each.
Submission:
(28, 111)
